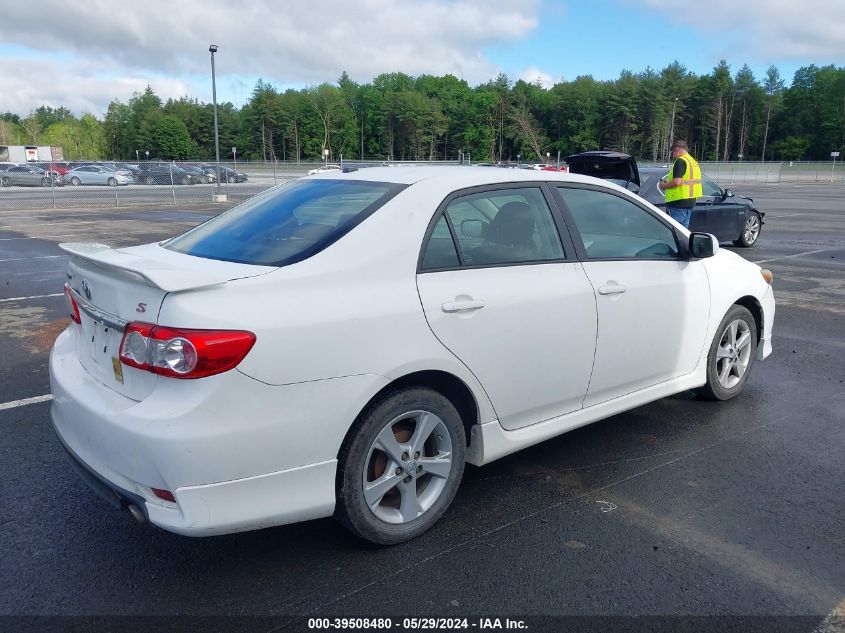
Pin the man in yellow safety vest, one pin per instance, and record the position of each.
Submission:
(682, 184)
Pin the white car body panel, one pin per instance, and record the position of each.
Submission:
(531, 344)
(258, 445)
(663, 302)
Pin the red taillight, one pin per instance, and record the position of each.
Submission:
(179, 353)
(73, 309)
(164, 494)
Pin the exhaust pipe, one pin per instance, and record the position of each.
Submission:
(135, 511)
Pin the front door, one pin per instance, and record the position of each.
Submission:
(652, 305)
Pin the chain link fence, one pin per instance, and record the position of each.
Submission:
(116, 184)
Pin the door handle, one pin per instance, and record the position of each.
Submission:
(458, 306)
(614, 289)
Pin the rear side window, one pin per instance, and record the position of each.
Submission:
(286, 225)
(505, 226)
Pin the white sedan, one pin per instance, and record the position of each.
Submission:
(323, 170)
(343, 344)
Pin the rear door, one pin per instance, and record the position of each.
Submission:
(508, 298)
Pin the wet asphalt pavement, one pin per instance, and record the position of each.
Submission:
(681, 507)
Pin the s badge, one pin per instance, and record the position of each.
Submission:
(142, 307)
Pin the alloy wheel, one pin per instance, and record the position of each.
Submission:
(752, 229)
(407, 467)
(733, 354)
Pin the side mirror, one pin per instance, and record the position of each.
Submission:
(703, 245)
(729, 193)
(473, 228)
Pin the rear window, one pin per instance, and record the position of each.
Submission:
(288, 224)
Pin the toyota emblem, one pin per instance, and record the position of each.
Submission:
(86, 289)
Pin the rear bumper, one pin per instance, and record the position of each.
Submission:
(237, 454)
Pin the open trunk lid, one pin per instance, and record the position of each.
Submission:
(115, 286)
(616, 167)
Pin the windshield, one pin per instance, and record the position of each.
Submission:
(288, 224)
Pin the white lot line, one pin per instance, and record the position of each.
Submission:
(59, 294)
(777, 259)
(21, 259)
(22, 403)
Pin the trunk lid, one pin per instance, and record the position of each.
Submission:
(115, 286)
(613, 166)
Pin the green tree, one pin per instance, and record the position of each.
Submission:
(171, 138)
(773, 87)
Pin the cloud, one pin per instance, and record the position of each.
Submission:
(534, 74)
(770, 30)
(289, 43)
(79, 86)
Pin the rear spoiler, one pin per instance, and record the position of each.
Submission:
(155, 273)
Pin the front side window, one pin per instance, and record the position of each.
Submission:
(288, 224)
(612, 227)
(709, 188)
(504, 226)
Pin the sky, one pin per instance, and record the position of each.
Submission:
(84, 54)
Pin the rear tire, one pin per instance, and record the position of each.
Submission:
(75, 181)
(400, 467)
(7, 182)
(750, 230)
(731, 355)
(111, 182)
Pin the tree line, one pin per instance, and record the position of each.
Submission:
(722, 115)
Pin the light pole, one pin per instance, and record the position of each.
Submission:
(672, 125)
(213, 49)
(235, 155)
(326, 157)
(147, 152)
(137, 160)
(518, 158)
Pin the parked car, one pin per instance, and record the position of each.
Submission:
(98, 175)
(127, 167)
(343, 344)
(323, 169)
(29, 175)
(205, 177)
(728, 216)
(725, 214)
(230, 175)
(165, 174)
(59, 169)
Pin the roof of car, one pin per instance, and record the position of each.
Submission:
(459, 176)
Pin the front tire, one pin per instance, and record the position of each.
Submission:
(75, 181)
(731, 355)
(750, 230)
(6, 181)
(112, 182)
(400, 467)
